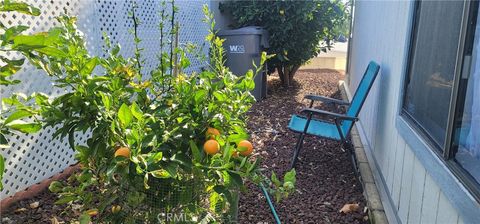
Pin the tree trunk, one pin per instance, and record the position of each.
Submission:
(286, 74)
(292, 73)
(281, 74)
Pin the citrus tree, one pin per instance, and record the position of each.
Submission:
(299, 30)
(159, 143)
(16, 110)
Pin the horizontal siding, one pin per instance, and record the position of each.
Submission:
(380, 33)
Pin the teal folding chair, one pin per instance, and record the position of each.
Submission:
(342, 124)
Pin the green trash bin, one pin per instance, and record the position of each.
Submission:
(243, 47)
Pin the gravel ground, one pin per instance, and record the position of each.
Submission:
(325, 176)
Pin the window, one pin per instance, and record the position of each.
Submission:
(432, 65)
(442, 85)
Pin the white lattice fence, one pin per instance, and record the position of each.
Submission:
(33, 158)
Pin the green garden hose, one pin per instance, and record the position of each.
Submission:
(270, 204)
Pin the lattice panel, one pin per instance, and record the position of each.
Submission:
(33, 158)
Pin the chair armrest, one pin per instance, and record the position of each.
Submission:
(331, 114)
(325, 99)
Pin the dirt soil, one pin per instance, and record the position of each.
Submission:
(325, 176)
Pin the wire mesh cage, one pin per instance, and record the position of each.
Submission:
(172, 201)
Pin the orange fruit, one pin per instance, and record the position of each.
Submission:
(123, 151)
(211, 147)
(246, 144)
(212, 132)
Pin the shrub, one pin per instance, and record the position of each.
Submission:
(144, 156)
(299, 30)
(16, 110)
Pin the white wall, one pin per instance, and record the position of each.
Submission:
(381, 33)
(222, 20)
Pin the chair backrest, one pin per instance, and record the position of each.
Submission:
(360, 95)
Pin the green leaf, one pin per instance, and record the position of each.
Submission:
(12, 32)
(275, 180)
(29, 42)
(157, 157)
(237, 179)
(135, 198)
(237, 137)
(18, 62)
(227, 153)
(171, 168)
(71, 137)
(41, 98)
(290, 176)
(253, 166)
(8, 70)
(220, 96)
(184, 62)
(65, 199)
(197, 155)
(223, 190)
(161, 173)
(2, 170)
(116, 49)
(44, 43)
(106, 203)
(249, 74)
(182, 159)
(227, 179)
(51, 51)
(136, 111)
(55, 187)
(106, 100)
(125, 115)
(89, 66)
(85, 219)
(215, 200)
(145, 181)
(263, 58)
(3, 142)
(24, 127)
(200, 95)
(84, 176)
(19, 114)
(243, 162)
(20, 7)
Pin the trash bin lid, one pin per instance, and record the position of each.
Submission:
(248, 30)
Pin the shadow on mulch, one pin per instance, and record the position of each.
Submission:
(325, 176)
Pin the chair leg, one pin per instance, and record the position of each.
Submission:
(350, 148)
(298, 146)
